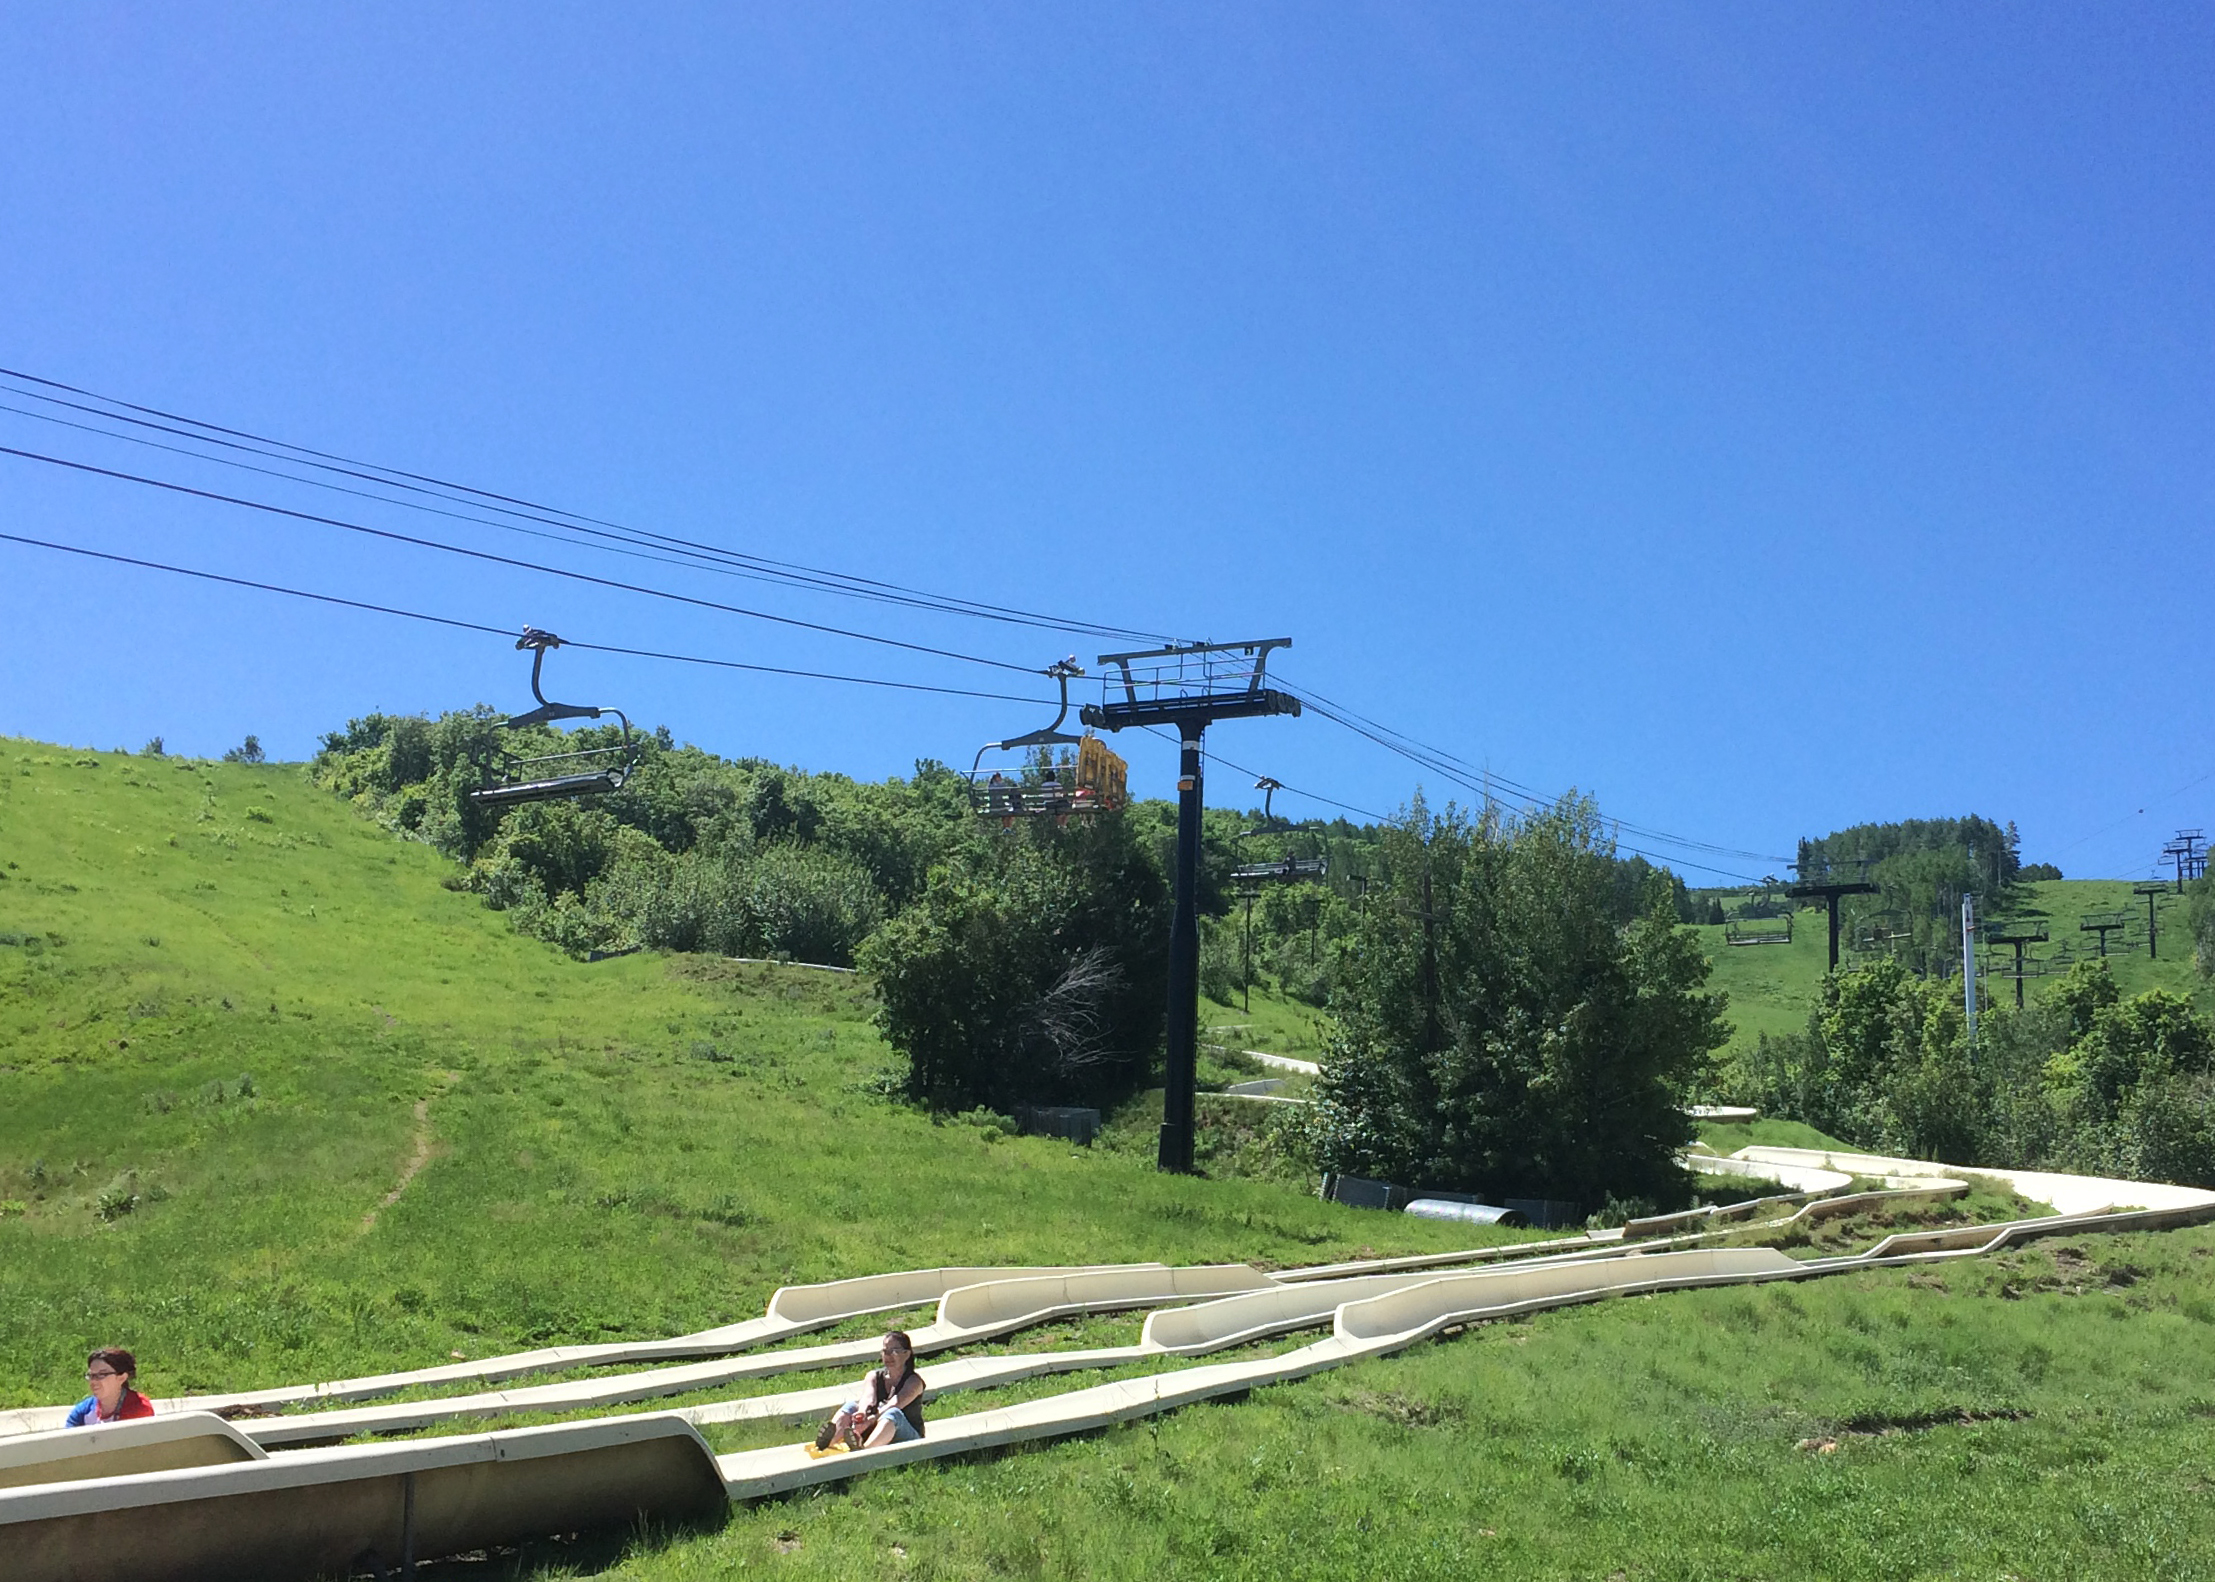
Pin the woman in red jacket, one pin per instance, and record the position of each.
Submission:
(109, 1372)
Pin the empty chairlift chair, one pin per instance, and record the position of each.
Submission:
(547, 777)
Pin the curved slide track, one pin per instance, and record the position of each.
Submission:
(188, 1494)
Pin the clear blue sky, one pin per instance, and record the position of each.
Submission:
(1765, 418)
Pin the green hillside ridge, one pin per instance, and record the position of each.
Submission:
(234, 1015)
(1772, 987)
(638, 1146)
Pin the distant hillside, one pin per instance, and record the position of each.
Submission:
(237, 1017)
(1773, 986)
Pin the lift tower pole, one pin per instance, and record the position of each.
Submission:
(1829, 893)
(2103, 924)
(2152, 892)
(2019, 937)
(1189, 686)
(2184, 852)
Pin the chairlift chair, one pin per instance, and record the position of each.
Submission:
(1096, 781)
(548, 777)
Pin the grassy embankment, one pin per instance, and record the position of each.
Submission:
(642, 1146)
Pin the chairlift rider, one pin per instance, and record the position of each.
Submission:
(1094, 783)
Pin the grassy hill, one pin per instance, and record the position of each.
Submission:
(1772, 987)
(276, 1104)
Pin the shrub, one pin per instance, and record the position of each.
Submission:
(1032, 970)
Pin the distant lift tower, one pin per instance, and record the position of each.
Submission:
(2153, 892)
(2001, 934)
(2185, 851)
(1828, 892)
(2103, 924)
(1190, 686)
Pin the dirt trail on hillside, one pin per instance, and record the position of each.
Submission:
(416, 1160)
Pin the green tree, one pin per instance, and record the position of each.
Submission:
(1497, 1031)
(1031, 970)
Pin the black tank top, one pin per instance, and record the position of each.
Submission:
(883, 1392)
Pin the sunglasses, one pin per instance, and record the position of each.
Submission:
(101, 1373)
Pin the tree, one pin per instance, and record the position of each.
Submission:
(1033, 969)
(246, 752)
(1496, 1031)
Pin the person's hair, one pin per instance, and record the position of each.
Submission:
(117, 1358)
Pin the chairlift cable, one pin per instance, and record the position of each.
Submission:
(507, 560)
(397, 478)
(730, 563)
(507, 632)
(1459, 771)
(689, 561)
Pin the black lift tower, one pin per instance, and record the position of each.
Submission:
(2019, 937)
(2152, 892)
(1190, 686)
(1828, 891)
(2103, 924)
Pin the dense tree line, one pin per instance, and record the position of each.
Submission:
(2081, 1079)
(1530, 1026)
(1922, 868)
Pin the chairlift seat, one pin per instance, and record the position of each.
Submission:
(549, 790)
(595, 771)
(1095, 782)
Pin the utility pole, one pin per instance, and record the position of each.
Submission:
(2152, 892)
(2103, 924)
(2002, 935)
(1251, 877)
(1969, 962)
(1246, 954)
(1190, 686)
(1829, 893)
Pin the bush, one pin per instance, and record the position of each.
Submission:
(1032, 970)
(1222, 963)
(246, 752)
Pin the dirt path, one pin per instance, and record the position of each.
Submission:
(416, 1160)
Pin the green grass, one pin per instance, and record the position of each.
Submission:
(1267, 1021)
(648, 1145)
(635, 1147)
(1727, 1137)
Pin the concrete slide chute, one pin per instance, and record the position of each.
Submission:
(222, 1506)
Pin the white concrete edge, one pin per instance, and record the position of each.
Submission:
(340, 1463)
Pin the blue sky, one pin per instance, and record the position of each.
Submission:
(1763, 418)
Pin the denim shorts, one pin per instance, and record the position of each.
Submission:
(902, 1429)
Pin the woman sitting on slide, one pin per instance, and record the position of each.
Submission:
(888, 1407)
(112, 1400)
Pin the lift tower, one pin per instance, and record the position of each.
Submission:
(1828, 891)
(2000, 934)
(2103, 924)
(1190, 686)
(2185, 852)
(2152, 892)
